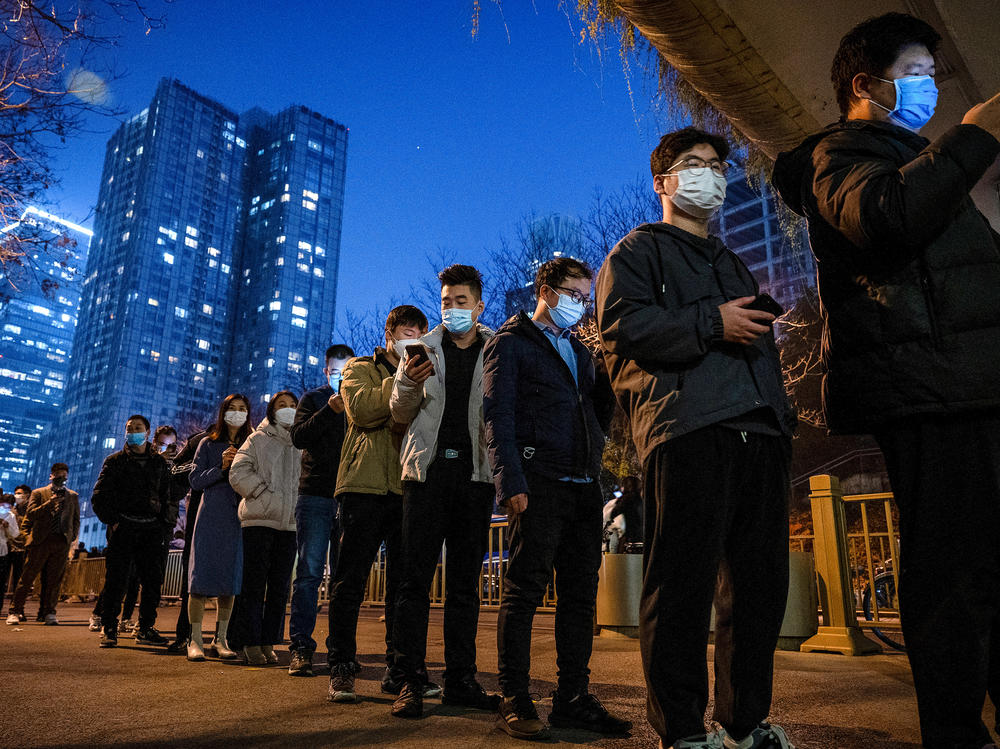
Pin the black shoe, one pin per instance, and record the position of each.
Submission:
(470, 693)
(393, 686)
(177, 647)
(410, 703)
(585, 711)
(301, 663)
(149, 636)
(110, 638)
(342, 683)
(519, 718)
(40, 617)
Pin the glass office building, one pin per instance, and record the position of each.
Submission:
(39, 302)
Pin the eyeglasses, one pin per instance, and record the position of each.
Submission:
(576, 296)
(696, 166)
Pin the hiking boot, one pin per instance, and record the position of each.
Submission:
(149, 636)
(584, 710)
(519, 718)
(195, 650)
(711, 740)
(410, 703)
(95, 623)
(342, 683)
(301, 664)
(51, 620)
(764, 736)
(470, 693)
(110, 638)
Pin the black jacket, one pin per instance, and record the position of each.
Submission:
(180, 473)
(319, 432)
(136, 489)
(909, 270)
(537, 418)
(658, 297)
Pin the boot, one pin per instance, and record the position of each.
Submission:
(220, 645)
(195, 646)
(269, 654)
(254, 656)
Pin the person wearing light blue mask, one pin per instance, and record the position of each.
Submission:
(908, 271)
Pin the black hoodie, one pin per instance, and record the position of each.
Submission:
(908, 269)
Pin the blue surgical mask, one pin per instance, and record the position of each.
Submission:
(334, 381)
(916, 97)
(457, 320)
(566, 313)
(135, 438)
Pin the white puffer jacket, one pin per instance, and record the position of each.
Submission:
(265, 472)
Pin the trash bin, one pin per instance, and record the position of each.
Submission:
(618, 592)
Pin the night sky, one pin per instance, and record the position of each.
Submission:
(452, 138)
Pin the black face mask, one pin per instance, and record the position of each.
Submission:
(59, 481)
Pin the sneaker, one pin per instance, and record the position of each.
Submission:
(711, 740)
(342, 683)
(585, 711)
(470, 693)
(95, 623)
(110, 638)
(301, 664)
(13, 619)
(127, 627)
(51, 620)
(392, 686)
(519, 718)
(177, 647)
(410, 703)
(765, 736)
(149, 636)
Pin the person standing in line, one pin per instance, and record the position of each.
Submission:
(694, 364)
(547, 409)
(216, 566)
(369, 491)
(51, 524)
(265, 473)
(132, 498)
(319, 432)
(9, 530)
(447, 494)
(16, 555)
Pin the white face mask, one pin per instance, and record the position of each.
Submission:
(699, 195)
(236, 418)
(285, 416)
(400, 346)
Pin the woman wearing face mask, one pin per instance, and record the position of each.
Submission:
(265, 472)
(216, 565)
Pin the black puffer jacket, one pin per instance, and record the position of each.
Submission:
(658, 298)
(908, 268)
(537, 417)
(318, 431)
(135, 489)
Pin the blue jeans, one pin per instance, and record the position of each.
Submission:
(316, 526)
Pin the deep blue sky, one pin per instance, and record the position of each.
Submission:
(452, 138)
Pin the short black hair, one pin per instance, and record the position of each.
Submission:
(872, 47)
(271, 410)
(674, 144)
(462, 275)
(164, 429)
(338, 351)
(141, 418)
(59, 467)
(25, 487)
(554, 272)
(405, 314)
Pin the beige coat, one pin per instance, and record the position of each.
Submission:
(265, 472)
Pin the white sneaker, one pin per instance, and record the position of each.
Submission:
(13, 619)
(764, 736)
(712, 740)
(195, 651)
(95, 623)
(127, 626)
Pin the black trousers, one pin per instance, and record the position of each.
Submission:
(716, 517)
(561, 530)
(268, 559)
(182, 631)
(945, 474)
(452, 509)
(16, 564)
(368, 521)
(142, 545)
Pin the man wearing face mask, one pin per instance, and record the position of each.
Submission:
(51, 524)
(908, 274)
(447, 493)
(696, 368)
(318, 431)
(369, 492)
(132, 497)
(547, 409)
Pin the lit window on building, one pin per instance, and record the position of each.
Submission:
(300, 311)
(190, 242)
(304, 245)
(191, 231)
(168, 258)
(108, 443)
(202, 344)
(280, 239)
(207, 309)
(273, 306)
(153, 302)
(308, 205)
(125, 236)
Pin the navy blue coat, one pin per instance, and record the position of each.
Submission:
(538, 418)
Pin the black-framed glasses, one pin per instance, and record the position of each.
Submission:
(576, 296)
(697, 165)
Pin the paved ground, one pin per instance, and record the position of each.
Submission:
(63, 691)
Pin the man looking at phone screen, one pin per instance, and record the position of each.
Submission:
(318, 431)
(447, 493)
(697, 371)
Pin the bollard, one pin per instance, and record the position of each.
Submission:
(618, 591)
(840, 632)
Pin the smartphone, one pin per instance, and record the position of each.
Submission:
(766, 303)
(417, 354)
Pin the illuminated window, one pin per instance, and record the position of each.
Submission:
(318, 272)
(109, 442)
(308, 205)
(280, 239)
(314, 145)
(319, 251)
(180, 312)
(302, 267)
(213, 252)
(213, 263)
(300, 311)
(310, 194)
(200, 154)
(224, 268)
(153, 302)
(274, 306)
(125, 236)
(191, 231)
(304, 245)
(285, 197)
(206, 308)
(168, 258)
(190, 242)
(280, 261)
(202, 344)
(298, 322)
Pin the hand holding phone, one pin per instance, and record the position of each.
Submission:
(418, 365)
(766, 303)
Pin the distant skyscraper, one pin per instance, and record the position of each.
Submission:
(194, 288)
(545, 238)
(39, 301)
